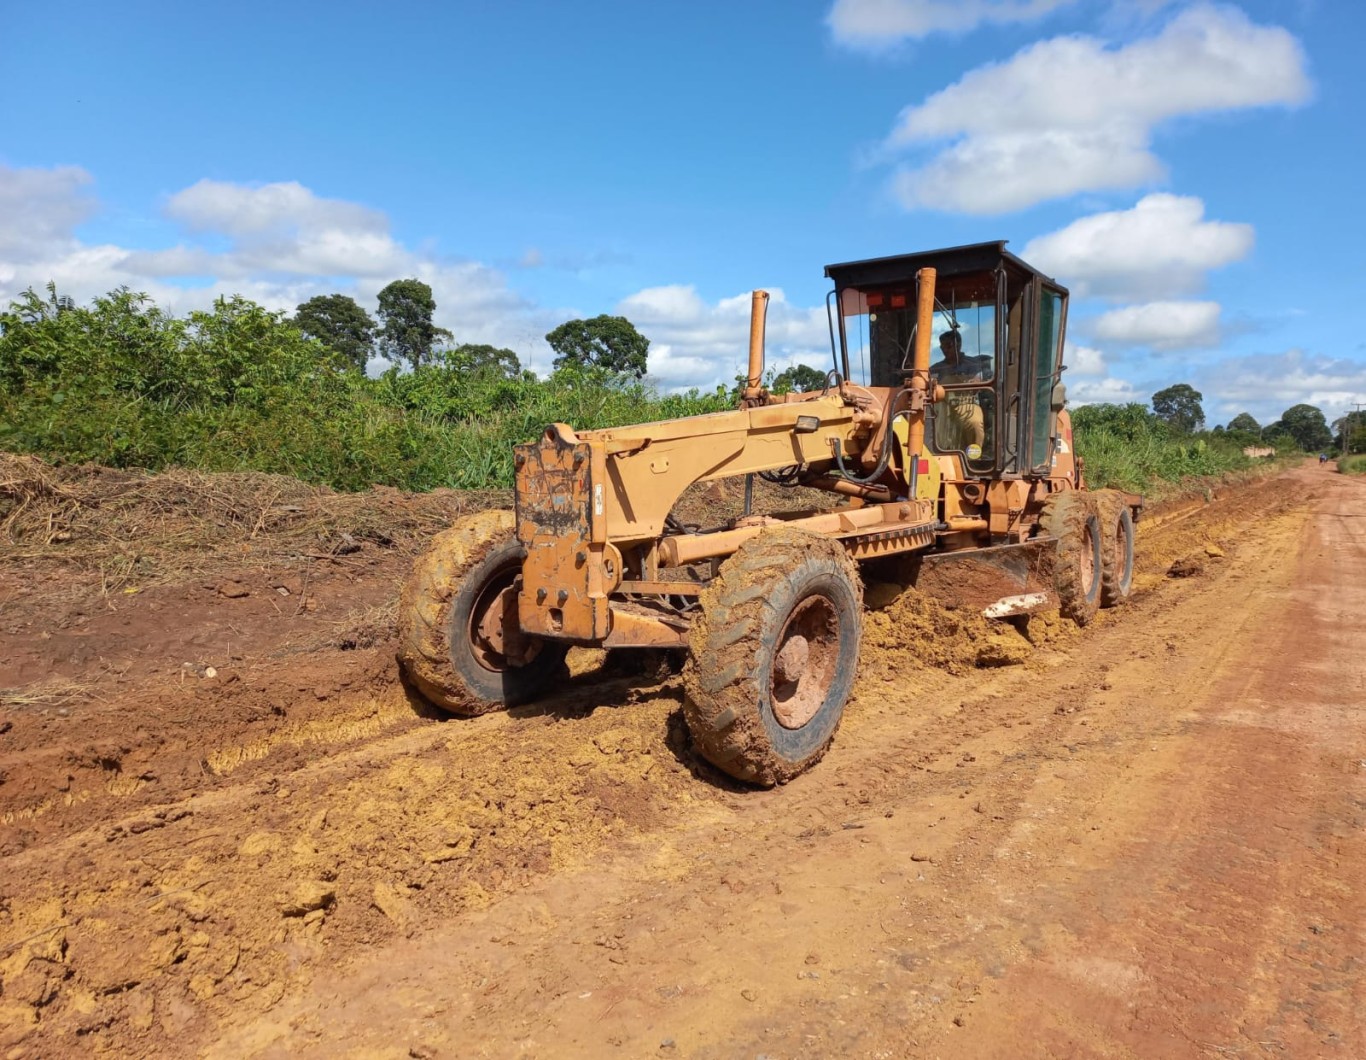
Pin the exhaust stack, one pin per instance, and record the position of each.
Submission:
(758, 315)
(919, 382)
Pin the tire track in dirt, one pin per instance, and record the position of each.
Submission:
(863, 880)
(147, 930)
(951, 890)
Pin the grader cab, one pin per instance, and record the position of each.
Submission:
(957, 468)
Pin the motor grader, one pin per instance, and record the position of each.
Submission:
(959, 474)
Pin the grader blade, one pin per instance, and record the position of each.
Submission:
(999, 582)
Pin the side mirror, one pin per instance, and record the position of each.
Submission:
(1059, 399)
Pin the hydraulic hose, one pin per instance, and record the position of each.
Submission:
(884, 458)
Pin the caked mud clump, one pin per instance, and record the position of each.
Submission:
(906, 627)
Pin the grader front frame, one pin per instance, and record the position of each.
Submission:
(768, 608)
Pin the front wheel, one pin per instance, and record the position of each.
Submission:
(773, 655)
(460, 641)
(1073, 517)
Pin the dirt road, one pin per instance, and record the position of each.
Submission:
(1145, 840)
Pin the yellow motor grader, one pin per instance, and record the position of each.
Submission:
(959, 471)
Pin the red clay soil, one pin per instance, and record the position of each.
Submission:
(227, 828)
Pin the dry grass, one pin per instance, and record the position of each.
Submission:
(55, 692)
(361, 628)
(123, 524)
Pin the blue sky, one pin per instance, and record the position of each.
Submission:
(1190, 170)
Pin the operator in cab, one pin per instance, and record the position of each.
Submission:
(963, 428)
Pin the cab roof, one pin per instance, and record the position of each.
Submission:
(951, 261)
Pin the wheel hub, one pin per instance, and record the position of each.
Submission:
(805, 663)
(791, 661)
(498, 640)
(1088, 561)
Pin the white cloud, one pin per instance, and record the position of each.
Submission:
(696, 343)
(287, 228)
(1069, 114)
(41, 209)
(256, 209)
(1083, 360)
(1089, 380)
(1108, 391)
(879, 23)
(1245, 385)
(1160, 325)
(1161, 248)
(284, 244)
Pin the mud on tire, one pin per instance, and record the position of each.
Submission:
(1117, 549)
(451, 587)
(773, 655)
(1073, 517)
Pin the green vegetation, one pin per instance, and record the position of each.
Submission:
(609, 343)
(406, 330)
(1349, 432)
(240, 388)
(1306, 425)
(122, 383)
(341, 325)
(1179, 407)
(800, 377)
(1130, 447)
(1353, 465)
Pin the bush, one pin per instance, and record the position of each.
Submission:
(240, 388)
(1127, 447)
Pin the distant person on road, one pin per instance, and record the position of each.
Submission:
(1323, 459)
(964, 427)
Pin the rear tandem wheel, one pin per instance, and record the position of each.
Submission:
(1117, 555)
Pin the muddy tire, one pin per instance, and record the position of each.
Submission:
(773, 655)
(458, 642)
(1073, 517)
(1117, 550)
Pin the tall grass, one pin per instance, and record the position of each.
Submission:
(1127, 447)
(1353, 465)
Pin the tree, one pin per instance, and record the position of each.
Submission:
(612, 343)
(341, 325)
(1277, 437)
(406, 330)
(483, 359)
(800, 377)
(1179, 407)
(1349, 432)
(1244, 422)
(1306, 424)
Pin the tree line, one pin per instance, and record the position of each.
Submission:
(1301, 426)
(406, 334)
